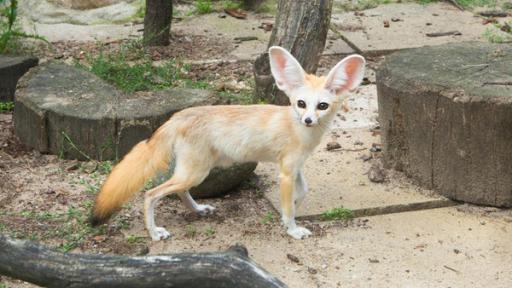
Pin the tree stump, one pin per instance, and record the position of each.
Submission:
(11, 69)
(446, 115)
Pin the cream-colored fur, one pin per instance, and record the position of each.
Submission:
(202, 138)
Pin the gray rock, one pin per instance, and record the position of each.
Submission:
(85, 4)
(446, 119)
(11, 69)
(222, 180)
(42, 11)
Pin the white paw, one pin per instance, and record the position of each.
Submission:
(159, 234)
(299, 232)
(204, 210)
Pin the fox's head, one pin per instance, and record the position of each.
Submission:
(314, 98)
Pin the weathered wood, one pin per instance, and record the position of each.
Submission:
(444, 125)
(157, 22)
(11, 69)
(301, 27)
(36, 264)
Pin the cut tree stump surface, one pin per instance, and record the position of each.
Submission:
(11, 69)
(446, 115)
(72, 113)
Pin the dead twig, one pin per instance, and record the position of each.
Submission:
(352, 150)
(451, 269)
(440, 34)
(493, 14)
(504, 83)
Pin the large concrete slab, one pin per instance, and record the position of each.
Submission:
(448, 247)
(368, 33)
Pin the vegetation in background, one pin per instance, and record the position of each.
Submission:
(9, 32)
(131, 69)
(495, 34)
(6, 106)
(338, 214)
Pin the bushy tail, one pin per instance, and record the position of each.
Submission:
(129, 176)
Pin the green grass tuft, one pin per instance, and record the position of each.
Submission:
(6, 106)
(338, 214)
(493, 34)
(131, 69)
(203, 7)
(132, 239)
(268, 218)
(209, 231)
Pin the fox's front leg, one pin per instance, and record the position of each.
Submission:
(301, 188)
(287, 185)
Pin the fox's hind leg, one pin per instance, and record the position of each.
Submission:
(189, 202)
(186, 175)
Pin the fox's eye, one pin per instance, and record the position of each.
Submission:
(322, 106)
(301, 104)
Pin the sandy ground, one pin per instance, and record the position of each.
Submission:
(47, 199)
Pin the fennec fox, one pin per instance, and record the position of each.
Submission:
(201, 138)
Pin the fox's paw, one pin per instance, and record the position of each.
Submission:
(299, 232)
(204, 210)
(159, 234)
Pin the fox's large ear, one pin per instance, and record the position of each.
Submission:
(346, 75)
(286, 69)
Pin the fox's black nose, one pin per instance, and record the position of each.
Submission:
(308, 120)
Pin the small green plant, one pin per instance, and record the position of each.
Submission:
(190, 231)
(2, 285)
(495, 35)
(209, 232)
(68, 143)
(6, 106)
(338, 214)
(203, 6)
(132, 239)
(268, 218)
(105, 167)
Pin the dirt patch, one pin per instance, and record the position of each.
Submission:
(195, 47)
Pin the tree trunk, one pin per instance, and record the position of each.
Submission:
(36, 264)
(301, 27)
(157, 22)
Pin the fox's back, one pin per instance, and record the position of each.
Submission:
(238, 132)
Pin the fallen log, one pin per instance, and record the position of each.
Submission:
(36, 264)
